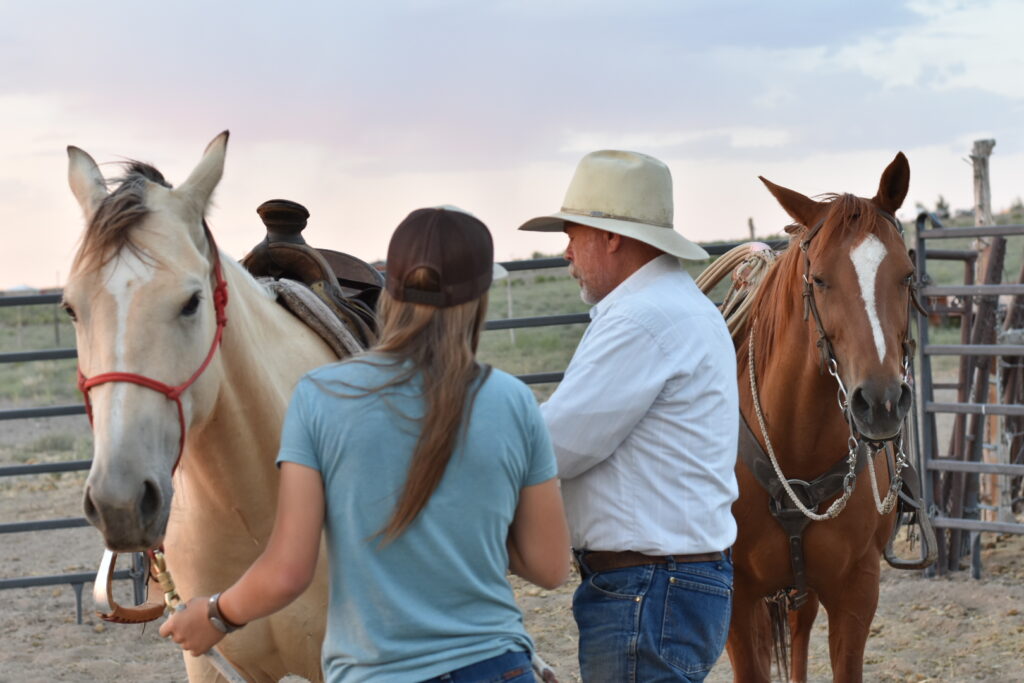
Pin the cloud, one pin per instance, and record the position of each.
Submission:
(737, 138)
(959, 45)
(365, 111)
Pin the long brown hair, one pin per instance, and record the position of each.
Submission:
(441, 344)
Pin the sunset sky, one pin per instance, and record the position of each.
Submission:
(365, 111)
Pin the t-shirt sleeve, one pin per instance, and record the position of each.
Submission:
(297, 443)
(541, 463)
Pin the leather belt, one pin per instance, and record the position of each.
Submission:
(608, 560)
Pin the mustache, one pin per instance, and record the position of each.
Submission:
(573, 272)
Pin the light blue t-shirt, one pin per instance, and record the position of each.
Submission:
(437, 597)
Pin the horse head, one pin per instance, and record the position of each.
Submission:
(142, 293)
(856, 278)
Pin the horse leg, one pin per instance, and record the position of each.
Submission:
(800, 624)
(750, 640)
(850, 608)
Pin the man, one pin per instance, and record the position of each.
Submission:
(644, 426)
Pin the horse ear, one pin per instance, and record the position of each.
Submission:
(892, 189)
(803, 210)
(86, 181)
(205, 176)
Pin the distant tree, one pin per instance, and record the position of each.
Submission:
(941, 207)
(1017, 209)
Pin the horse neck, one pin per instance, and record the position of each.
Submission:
(798, 400)
(265, 350)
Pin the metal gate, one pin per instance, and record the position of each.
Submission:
(952, 477)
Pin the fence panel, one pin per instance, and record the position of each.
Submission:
(951, 480)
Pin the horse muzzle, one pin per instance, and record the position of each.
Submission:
(878, 410)
(133, 522)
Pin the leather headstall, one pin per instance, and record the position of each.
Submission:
(811, 307)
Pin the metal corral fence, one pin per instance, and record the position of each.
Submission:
(137, 573)
(953, 479)
(930, 463)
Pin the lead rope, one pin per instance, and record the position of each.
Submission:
(174, 602)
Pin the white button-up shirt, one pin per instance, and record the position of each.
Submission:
(645, 422)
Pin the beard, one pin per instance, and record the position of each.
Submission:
(585, 294)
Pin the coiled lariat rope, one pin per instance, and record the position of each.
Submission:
(748, 264)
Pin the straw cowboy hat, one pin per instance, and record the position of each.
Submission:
(627, 193)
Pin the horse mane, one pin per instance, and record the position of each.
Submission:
(111, 226)
(778, 304)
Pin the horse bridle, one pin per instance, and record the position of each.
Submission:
(828, 356)
(828, 361)
(173, 393)
(102, 591)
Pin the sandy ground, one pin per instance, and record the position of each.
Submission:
(949, 629)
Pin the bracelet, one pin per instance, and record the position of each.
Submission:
(216, 618)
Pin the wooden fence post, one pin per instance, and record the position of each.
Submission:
(982, 202)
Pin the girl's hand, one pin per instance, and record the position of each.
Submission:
(191, 628)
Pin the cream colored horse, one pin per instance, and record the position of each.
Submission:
(141, 292)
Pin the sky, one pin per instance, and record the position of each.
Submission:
(365, 111)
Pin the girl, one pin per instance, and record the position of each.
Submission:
(432, 476)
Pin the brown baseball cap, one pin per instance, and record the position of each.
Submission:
(455, 245)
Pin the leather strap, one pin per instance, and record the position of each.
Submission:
(109, 610)
(609, 560)
(789, 517)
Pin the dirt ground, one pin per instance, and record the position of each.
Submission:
(948, 629)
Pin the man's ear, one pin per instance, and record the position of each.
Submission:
(613, 242)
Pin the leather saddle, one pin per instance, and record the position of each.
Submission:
(348, 286)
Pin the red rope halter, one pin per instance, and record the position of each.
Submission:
(220, 302)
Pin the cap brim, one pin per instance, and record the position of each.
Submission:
(666, 239)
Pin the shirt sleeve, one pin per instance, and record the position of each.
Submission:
(542, 464)
(613, 379)
(297, 443)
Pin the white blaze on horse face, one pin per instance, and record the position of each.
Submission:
(867, 257)
(124, 277)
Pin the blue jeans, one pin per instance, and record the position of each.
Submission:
(655, 622)
(511, 667)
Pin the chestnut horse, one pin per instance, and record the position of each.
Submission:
(831, 317)
(186, 409)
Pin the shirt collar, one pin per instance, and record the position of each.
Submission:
(641, 277)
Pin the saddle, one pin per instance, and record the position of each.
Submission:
(347, 286)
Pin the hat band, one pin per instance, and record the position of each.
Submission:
(602, 214)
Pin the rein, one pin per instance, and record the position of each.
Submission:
(828, 361)
(173, 393)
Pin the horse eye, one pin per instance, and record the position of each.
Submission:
(70, 312)
(818, 282)
(908, 280)
(192, 306)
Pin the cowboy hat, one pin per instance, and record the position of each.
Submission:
(627, 193)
